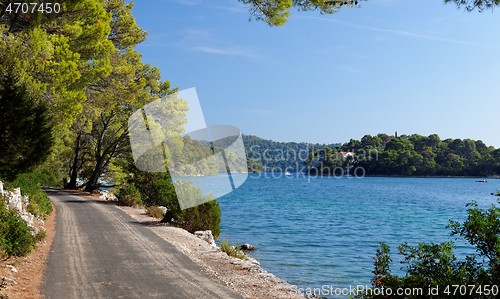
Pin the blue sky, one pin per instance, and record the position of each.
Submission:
(411, 66)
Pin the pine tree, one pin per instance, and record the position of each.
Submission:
(25, 131)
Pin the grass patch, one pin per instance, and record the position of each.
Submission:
(41, 235)
(155, 212)
(232, 250)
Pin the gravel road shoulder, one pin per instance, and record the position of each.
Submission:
(245, 277)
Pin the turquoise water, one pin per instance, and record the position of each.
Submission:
(324, 231)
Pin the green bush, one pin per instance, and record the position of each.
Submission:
(129, 195)
(46, 177)
(156, 189)
(39, 203)
(436, 266)
(154, 212)
(201, 217)
(15, 235)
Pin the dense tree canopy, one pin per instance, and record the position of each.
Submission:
(408, 155)
(275, 156)
(57, 55)
(25, 131)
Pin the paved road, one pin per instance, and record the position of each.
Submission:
(101, 252)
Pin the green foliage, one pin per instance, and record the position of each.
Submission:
(276, 12)
(206, 216)
(154, 212)
(431, 265)
(482, 230)
(57, 55)
(129, 195)
(45, 176)
(25, 132)
(15, 236)
(268, 155)
(410, 155)
(156, 189)
(471, 5)
(30, 184)
(42, 234)
(232, 250)
(200, 217)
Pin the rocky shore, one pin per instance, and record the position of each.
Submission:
(244, 276)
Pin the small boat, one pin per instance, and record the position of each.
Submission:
(288, 173)
(481, 181)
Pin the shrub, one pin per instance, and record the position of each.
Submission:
(156, 189)
(39, 203)
(155, 212)
(232, 250)
(435, 265)
(46, 177)
(129, 196)
(15, 235)
(202, 217)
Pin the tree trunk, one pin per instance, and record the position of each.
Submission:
(91, 184)
(74, 167)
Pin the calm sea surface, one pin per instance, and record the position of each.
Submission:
(324, 231)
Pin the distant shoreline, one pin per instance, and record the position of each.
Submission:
(389, 176)
(435, 176)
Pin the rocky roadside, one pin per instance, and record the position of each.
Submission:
(22, 276)
(244, 276)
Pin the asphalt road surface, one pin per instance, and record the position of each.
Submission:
(101, 252)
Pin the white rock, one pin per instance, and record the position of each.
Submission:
(26, 201)
(12, 268)
(253, 261)
(163, 209)
(108, 196)
(8, 280)
(34, 230)
(28, 218)
(15, 200)
(206, 235)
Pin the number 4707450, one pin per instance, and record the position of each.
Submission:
(23, 7)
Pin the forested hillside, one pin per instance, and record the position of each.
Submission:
(268, 155)
(409, 155)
